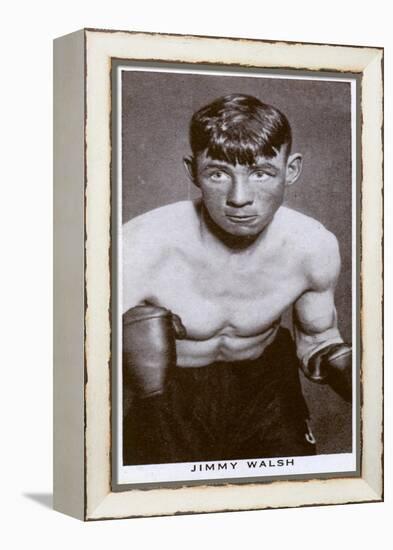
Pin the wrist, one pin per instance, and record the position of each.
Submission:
(332, 365)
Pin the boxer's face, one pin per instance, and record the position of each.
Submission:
(243, 199)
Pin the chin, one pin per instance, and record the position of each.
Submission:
(244, 231)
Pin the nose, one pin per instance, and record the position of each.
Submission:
(240, 194)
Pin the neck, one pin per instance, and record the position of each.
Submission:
(213, 234)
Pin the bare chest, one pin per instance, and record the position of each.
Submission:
(239, 297)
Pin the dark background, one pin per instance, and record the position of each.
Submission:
(157, 108)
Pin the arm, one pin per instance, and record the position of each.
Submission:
(324, 356)
(149, 331)
(315, 323)
(137, 255)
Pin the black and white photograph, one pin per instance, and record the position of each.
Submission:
(235, 274)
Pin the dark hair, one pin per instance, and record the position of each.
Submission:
(238, 128)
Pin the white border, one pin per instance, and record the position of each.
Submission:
(319, 464)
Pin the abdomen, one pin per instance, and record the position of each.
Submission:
(225, 346)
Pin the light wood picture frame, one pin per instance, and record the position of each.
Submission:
(87, 331)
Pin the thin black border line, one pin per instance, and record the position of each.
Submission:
(358, 223)
(115, 486)
(113, 268)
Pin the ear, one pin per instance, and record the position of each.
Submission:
(189, 165)
(294, 168)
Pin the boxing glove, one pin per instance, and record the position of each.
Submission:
(332, 365)
(149, 347)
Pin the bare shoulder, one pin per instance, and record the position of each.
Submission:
(316, 247)
(147, 241)
(156, 229)
(307, 231)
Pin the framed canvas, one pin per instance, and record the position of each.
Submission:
(218, 274)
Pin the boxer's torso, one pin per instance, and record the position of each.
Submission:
(230, 301)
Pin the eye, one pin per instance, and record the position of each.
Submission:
(218, 176)
(259, 175)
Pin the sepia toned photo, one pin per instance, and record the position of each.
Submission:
(236, 285)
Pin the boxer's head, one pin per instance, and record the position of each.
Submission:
(242, 162)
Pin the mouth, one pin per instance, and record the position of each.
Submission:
(241, 218)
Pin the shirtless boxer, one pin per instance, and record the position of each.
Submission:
(205, 284)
